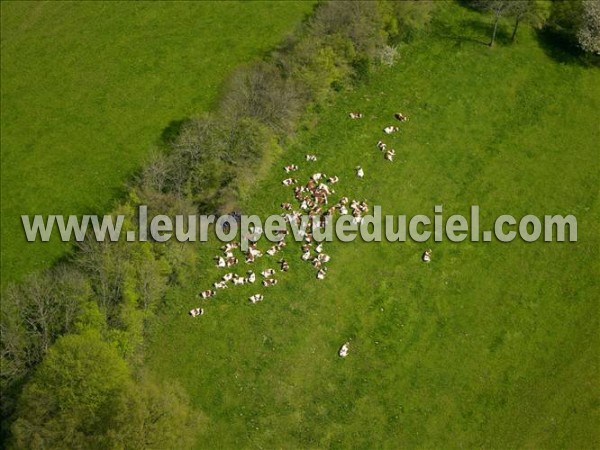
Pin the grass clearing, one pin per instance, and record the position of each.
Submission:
(491, 345)
(88, 88)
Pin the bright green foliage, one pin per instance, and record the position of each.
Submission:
(70, 401)
(83, 396)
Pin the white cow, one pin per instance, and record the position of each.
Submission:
(360, 173)
(196, 312)
(324, 257)
(284, 265)
(251, 278)
(207, 294)
(220, 285)
(355, 115)
(343, 352)
(268, 273)
(390, 129)
(220, 261)
(238, 281)
(311, 158)
(321, 273)
(427, 255)
(256, 298)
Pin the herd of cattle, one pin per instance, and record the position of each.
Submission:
(313, 199)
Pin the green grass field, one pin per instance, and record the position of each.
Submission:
(88, 88)
(492, 345)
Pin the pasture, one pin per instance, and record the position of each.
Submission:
(491, 345)
(88, 90)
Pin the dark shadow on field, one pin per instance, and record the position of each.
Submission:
(170, 133)
(461, 33)
(563, 50)
(470, 4)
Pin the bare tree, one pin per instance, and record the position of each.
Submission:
(530, 11)
(498, 9)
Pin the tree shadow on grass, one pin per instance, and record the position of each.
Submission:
(170, 133)
(462, 33)
(563, 50)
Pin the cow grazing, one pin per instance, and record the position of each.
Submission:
(289, 181)
(355, 115)
(290, 168)
(319, 248)
(220, 285)
(227, 277)
(324, 257)
(208, 294)
(311, 158)
(333, 180)
(269, 282)
(230, 246)
(390, 129)
(231, 262)
(321, 273)
(401, 117)
(381, 146)
(284, 265)
(220, 261)
(389, 155)
(306, 256)
(268, 273)
(343, 351)
(427, 255)
(238, 281)
(360, 173)
(251, 278)
(196, 312)
(256, 298)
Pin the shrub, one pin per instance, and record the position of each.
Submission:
(260, 92)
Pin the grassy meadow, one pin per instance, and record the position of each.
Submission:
(491, 345)
(88, 92)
